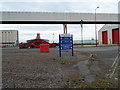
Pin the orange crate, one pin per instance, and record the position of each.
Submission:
(44, 48)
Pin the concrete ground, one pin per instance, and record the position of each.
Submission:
(28, 68)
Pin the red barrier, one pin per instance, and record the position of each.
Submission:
(44, 48)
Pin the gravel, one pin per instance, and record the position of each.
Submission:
(28, 68)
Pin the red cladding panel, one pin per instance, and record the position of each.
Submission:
(115, 36)
(104, 37)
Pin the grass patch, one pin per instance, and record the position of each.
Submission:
(76, 81)
(108, 45)
(104, 83)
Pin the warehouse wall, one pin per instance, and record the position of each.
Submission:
(108, 28)
(9, 37)
(84, 42)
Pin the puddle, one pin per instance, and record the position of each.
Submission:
(85, 68)
(89, 78)
(94, 67)
(82, 67)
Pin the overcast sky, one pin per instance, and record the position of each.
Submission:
(81, 6)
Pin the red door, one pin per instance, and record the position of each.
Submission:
(104, 37)
(115, 36)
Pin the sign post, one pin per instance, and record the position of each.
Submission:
(65, 42)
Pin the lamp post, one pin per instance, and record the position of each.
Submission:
(81, 33)
(96, 27)
(53, 37)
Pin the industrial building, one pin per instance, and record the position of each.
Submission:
(9, 38)
(85, 42)
(109, 34)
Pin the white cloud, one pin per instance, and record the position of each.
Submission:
(81, 7)
(59, 1)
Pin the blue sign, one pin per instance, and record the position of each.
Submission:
(66, 46)
(66, 42)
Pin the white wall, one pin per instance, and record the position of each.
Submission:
(108, 28)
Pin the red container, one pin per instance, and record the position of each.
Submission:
(44, 48)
